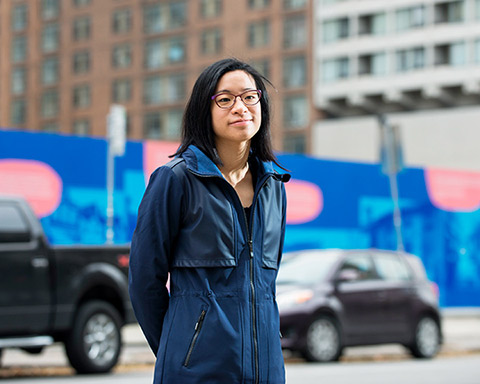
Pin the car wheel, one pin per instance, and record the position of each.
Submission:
(94, 343)
(323, 340)
(426, 341)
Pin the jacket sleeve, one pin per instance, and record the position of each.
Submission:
(158, 222)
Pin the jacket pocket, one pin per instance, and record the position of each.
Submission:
(208, 237)
(198, 328)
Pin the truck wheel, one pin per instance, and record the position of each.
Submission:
(94, 343)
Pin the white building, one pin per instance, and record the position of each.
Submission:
(417, 61)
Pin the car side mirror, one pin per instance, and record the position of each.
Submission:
(346, 275)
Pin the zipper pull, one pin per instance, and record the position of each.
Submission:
(200, 320)
(250, 246)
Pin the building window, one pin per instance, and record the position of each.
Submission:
(81, 3)
(121, 21)
(295, 32)
(410, 18)
(164, 89)
(258, 4)
(18, 112)
(295, 112)
(449, 12)
(477, 51)
(259, 34)
(49, 104)
(337, 29)
(19, 49)
(81, 127)
(81, 62)
(262, 66)
(372, 64)
(81, 96)
(163, 125)
(19, 81)
(50, 38)
(453, 54)
(122, 56)
(211, 41)
(294, 4)
(121, 90)
(335, 69)
(50, 127)
(19, 17)
(372, 24)
(294, 144)
(50, 71)
(210, 8)
(158, 18)
(162, 52)
(294, 72)
(50, 9)
(81, 28)
(410, 59)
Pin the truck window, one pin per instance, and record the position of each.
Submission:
(13, 226)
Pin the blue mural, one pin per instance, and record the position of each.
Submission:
(331, 204)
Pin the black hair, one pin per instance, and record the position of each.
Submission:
(197, 127)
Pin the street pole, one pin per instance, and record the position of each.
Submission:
(391, 158)
(116, 135)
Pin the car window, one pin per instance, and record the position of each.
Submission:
(11, 222)
(391, 267)
(362, 263)
(306, 268)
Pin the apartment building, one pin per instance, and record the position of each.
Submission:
(416, 61)
(63, 63)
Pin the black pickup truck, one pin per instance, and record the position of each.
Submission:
(75, 295)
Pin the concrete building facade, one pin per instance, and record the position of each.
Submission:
(415, 61)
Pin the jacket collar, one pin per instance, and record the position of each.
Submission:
(201, 164)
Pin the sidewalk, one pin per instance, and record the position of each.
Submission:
(461, 330)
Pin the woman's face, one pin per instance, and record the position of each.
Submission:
(241, 122)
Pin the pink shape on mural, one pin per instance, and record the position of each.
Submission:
(305, 201)
(35, 181)
(456, 191)
(156, 154)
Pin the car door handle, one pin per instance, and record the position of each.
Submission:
(40, 262)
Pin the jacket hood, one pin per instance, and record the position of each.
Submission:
(200, 163)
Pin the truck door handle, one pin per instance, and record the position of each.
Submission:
(40, 262)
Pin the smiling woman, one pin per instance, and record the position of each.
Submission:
(214, 220)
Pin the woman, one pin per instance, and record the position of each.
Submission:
(214, 218)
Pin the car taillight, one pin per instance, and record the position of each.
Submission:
(123, 261)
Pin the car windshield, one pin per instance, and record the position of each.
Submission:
(306, 268)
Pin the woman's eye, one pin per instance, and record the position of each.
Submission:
(224, 99)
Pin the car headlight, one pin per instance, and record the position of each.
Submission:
(290, 299)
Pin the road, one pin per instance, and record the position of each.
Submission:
(447, 370)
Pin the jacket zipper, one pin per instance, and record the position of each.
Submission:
(198, 327)
(252, 283)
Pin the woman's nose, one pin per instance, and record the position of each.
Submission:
(238, 105)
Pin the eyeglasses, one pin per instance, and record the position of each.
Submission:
(226, 100)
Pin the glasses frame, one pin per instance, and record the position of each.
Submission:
(235, 98)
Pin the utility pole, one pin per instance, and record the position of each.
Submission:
(392, 162)
(116, 137)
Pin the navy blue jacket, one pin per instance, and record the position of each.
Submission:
(220, 322)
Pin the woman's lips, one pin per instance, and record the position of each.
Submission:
(240, 122)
